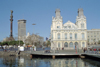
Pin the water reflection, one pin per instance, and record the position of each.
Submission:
(37, 62)
(8, 62)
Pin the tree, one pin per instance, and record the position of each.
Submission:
(35, 43)
(21, 43)
(48, 43)
(0, 43)
(12, 43)
(99, 42)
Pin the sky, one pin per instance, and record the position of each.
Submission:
(40, 12)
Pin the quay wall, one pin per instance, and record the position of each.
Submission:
(13, 53)
(92, 56)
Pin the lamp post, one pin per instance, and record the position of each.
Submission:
(33, 27)
(33, 32)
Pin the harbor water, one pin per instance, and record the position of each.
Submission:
(12, 61)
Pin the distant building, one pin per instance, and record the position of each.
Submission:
(93, 36)
(68, 35)
(28, 34)
(21, 29)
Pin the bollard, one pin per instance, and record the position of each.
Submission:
(30, 56)
(53, 56)
(82, 56)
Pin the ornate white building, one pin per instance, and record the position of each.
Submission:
(68, 35)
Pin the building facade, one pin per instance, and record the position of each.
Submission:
(93, 36)
(21, 29)
(68, 35)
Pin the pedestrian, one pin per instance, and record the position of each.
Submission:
(3, 48)
(84, 50)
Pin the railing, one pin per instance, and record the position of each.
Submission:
(92, 52)
(68, 39)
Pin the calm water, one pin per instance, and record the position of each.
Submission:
(37, 62)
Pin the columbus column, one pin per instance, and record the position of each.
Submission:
(11, 20)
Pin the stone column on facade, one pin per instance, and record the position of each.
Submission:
(79, 45)
(55, 35)
(62, 44)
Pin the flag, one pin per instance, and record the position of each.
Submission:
(46, 38)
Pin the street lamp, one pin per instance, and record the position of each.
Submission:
(33, 32)
(33, 27)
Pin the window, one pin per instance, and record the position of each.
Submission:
(82, 25)
(58, 26)
(69, 26)
(58, 35)
(76, 44)
(65, 27)
(66, 44)
(65, 35)
(59, 45)
(70, 44)
(70, 35)
(92, 40)
(83, 44)
(82, 35)
(52, 36)
(75, 35)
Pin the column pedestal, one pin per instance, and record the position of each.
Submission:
(53, 57)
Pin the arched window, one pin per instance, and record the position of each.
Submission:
(65, 26)
(82, 35)
(58, 26)
(70, 35)
(75, 35)
(66, 44)
(59, 44)
(83, 44)
(70, 44)
(76, 43)
(69, 27)
(65, 35)
(58, 35)
(82, 25)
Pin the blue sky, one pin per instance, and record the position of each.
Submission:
(40, 12)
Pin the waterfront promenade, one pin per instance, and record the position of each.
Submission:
(40, 52)
(66, 53)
